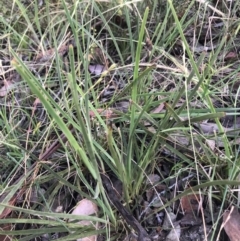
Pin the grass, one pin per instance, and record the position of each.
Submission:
(164, 104)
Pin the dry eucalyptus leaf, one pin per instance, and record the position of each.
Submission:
(86, 207)
(231, 222)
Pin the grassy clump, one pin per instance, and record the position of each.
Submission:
(164, 102)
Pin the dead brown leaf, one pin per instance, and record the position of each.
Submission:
(109, 113)
(11, 202)
(7, 210)
(190, 203)
(86, 207)
(231, 56)
(49, 54)
(190, 206)
(231, 222)
(174, 234)
(6, 227)
(158, 109)
(8, 85)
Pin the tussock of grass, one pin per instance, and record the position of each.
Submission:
(165, 104)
